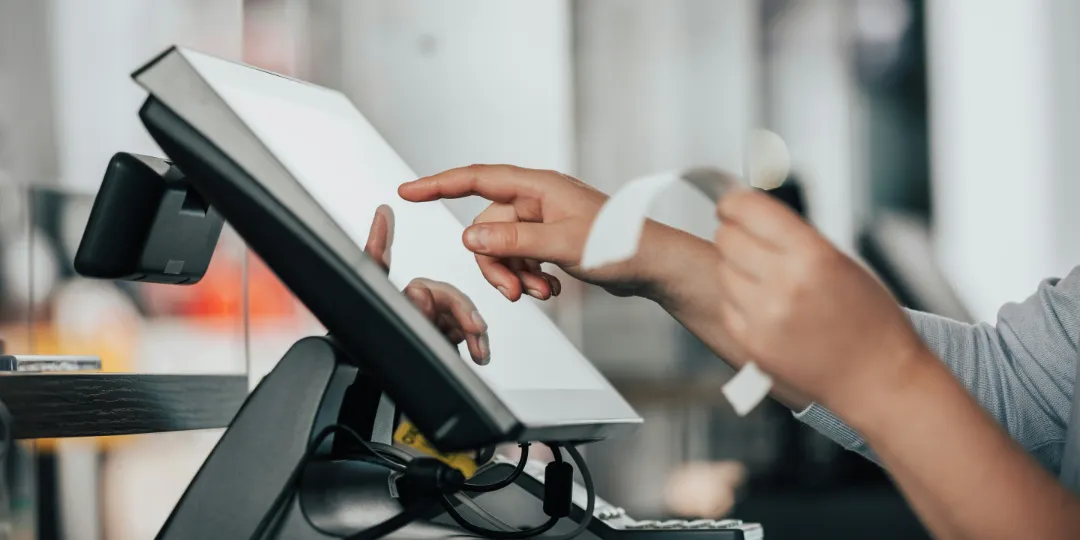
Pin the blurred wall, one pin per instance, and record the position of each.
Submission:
(26, 145)
(1064, 52)
(71, 73)
(812, 101)
(454, 83)
(1004, 116)
(661, 86)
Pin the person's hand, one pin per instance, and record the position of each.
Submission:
(805, 312)
(535, 216)
(443, 304)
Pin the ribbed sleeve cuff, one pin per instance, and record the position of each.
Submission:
(828, 424)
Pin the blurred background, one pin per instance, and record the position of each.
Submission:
(929, 137)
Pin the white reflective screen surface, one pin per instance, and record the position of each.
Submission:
(346, 166)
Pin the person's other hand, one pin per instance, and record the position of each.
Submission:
(808, 314)
(443, 304)
(535, 216)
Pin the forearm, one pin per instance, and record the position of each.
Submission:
(1012, 370)
(944, 451)
(680, 278)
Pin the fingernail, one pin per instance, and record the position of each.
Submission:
(505, 292)
(477, 237)
(479, 321)
(535, 294)
(485, 349)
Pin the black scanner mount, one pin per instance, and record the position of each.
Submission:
(148, 224)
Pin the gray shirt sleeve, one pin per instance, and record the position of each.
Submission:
(1021, 369)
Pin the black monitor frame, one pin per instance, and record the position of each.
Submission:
(361, 322)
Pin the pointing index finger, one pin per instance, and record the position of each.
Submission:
(497, 183)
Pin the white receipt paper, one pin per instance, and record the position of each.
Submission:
(616, 232)
(747, 388)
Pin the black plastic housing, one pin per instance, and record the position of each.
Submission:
(148, 225)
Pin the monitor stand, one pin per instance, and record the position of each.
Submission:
(314, 386)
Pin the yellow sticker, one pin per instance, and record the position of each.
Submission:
(408, 435)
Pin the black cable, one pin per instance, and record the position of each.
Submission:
(510, 478)
(491, 533)
(388, 457)
(272, 519)
(370, 447)
(556, 450)
(385, 451)
(590, 507)
(590, 495)
(404, 457)
(556, 454)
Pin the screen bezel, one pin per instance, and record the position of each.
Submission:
(469, 414)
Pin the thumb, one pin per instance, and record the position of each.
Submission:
(559, 242)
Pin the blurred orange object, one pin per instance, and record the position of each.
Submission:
(268, 297)
(220, 294)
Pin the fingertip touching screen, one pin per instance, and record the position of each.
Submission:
(339, 159)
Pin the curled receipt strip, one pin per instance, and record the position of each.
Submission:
(616, 232)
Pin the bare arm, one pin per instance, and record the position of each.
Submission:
(1018, 370)
(946, 452)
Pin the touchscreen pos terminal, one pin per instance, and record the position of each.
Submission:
(298, 172)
